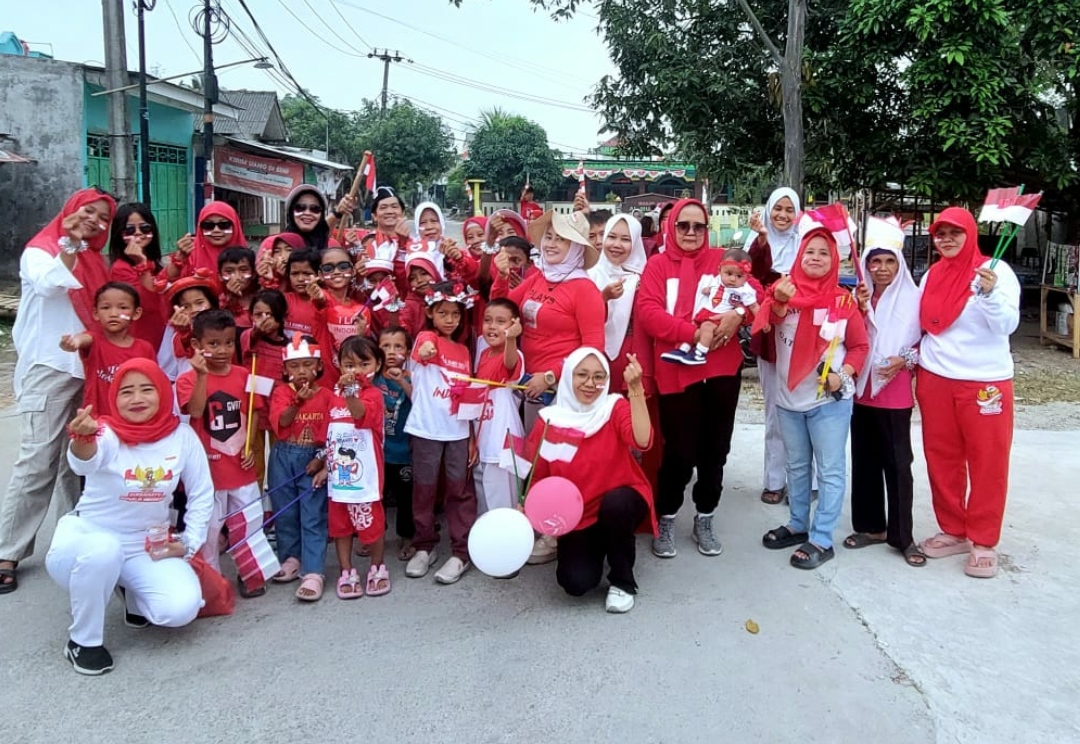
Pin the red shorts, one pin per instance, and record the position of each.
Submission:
(366, 521)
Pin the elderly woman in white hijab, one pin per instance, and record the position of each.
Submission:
(881, 455)
(773, 246)
(595, 426)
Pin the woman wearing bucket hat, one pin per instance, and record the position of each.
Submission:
(970, 306)
(697, 403)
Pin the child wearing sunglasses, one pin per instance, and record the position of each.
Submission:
(332, 294)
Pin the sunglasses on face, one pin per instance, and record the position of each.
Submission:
(144, 229)
(343, 267)
(689, 228)
(211, 225)
(313, 208)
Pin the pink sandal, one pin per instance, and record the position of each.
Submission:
(943, 545)
(974, 570)
(351, 579)
(378, 575)
(290, 571)
(313, 583)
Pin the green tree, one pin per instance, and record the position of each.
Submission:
(505, 149)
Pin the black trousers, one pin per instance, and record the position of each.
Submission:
(399, 486)
(697, 425)
(881, 461)
(582, 552)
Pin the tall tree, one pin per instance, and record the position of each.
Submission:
(506, 149)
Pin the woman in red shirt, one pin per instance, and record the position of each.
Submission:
(135, 259)
(617, 497)
(697, 404)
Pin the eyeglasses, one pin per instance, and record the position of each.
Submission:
(313, 208)
(343, 267)
(689, 228)
(598, 379)
(211, 225)
(144, 228)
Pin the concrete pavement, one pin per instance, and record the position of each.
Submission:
(865, 649)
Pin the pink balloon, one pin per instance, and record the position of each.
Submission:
(554, 506)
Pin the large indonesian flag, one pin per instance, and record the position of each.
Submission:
(1008, 205)
(255, 559)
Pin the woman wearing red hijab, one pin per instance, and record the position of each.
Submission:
(968, 311)
(697, 404)
(821, 346)
(132, 461)
(60, 270)
(218, 228)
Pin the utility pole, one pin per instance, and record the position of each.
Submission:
(142, 6)
(386, 58)
(121, 167)
(210, 96)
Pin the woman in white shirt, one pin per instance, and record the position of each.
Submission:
(132, 462)
(970, 306)
(60, 270)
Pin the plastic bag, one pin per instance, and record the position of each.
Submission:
(218, 595)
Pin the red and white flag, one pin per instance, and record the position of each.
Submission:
(467, 401)
(514, 457)
(255, 559)
(369, 173)
(834, 218)
(384, 294)
(1008, 205)
(580, 173)
(560, 444)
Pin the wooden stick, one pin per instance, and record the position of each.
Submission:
(490, 383)
(251, 407)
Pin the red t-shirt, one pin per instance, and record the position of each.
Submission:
(338, 318)
(150, 326)
(413, 317)
(530, 210)
(556, 319)
(238, 306)
(309, 426)
(100, 363)
(603, 462)
(305, 318)
(222, 428)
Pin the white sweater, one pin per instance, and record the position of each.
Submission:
(976, 346)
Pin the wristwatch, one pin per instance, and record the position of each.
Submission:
(549, 378)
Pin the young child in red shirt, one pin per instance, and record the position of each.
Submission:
(354, 464)
(299, 417)
(304, 316)
(424, 270)
(236, 273)
(214, 392)
(104, 349)
(261, 349)
(343, 316)
(188, 297)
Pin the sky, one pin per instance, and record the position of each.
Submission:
(497, 44)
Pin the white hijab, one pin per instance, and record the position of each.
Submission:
(783, 244)
(570, 413)
(894, 324)
(605, 272)
(419, 212)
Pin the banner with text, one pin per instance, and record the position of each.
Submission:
(255, 174)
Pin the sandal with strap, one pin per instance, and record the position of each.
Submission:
(859, 540)
(815, 556)
(769, 496)
(290, 571)
(914, 556)
(407, 550)
(978, 570)
(782, 537)
(349, 580)
(378, 581)
(311, 588)
(943, 545)
(12, 578)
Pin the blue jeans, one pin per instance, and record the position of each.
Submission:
(818, 436)
(301, 529)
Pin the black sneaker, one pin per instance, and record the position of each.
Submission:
(131, 620)
(89, 660)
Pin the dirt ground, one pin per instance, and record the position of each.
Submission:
(1047, 382)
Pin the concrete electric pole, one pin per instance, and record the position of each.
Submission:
(121, 162)
(386, 58)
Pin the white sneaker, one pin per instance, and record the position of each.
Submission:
(545, 550)
(418, 565)
(618, 601)
(452, 570)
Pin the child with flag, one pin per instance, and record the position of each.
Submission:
(586, 436)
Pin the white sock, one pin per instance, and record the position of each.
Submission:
(684, 347)
(703, 350)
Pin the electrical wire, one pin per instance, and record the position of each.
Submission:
(316, 34)
(345, 20)
(489, 88)
(180, 28)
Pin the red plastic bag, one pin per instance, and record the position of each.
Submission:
(218, 595)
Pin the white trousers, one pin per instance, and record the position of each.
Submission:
(775, 456)
(494, 487)
(225, 502)
(90, 561)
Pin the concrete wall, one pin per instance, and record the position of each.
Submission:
(41, 109)
(169, 126)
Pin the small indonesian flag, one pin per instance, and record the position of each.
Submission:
(369, 173)
(259, 385)
(255, 559)
(384, 294)
(1008, 205)
(580, 173)
(834, 218)
(560, 444)
(514, 457)
(467, 401)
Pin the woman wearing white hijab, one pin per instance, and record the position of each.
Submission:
(881, 455)
(617, 275)
(773, 247)
(618, 501)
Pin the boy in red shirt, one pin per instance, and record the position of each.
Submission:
(236, 273)
(214, 393)
(104, 349)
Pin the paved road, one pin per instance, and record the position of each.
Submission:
(865, 649)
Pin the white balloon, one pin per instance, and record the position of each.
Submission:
(500, 542)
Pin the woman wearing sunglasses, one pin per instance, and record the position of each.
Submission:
(217, 228)
(305, 215)
(135, 258)
(697, 403)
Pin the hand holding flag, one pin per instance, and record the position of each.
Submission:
(1007, 205)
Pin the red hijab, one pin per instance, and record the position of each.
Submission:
(692, 266)
(205, 255)
(948, 282)
(162, 424)
(90, 269)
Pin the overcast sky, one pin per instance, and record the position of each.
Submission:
(498, 43)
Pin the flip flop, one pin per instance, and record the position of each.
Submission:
(782, 537)
(974, 570)
(378, 575)
(7, 587)
(311, 582)
(290, 571)
(914, 556)
(349, 578)
(773, 498)
(406, 551)
(859, 540)
(943, 545)
(816, 556)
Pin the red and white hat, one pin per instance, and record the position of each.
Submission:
(301, 347)
(381, 257)
(430, 262)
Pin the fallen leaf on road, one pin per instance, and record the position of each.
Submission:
(752, 627)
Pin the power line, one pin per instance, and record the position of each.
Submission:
(489, 88)
(349, 25)
(315, 33)
(181, 30)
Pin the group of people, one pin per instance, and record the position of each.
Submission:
(334, 372)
